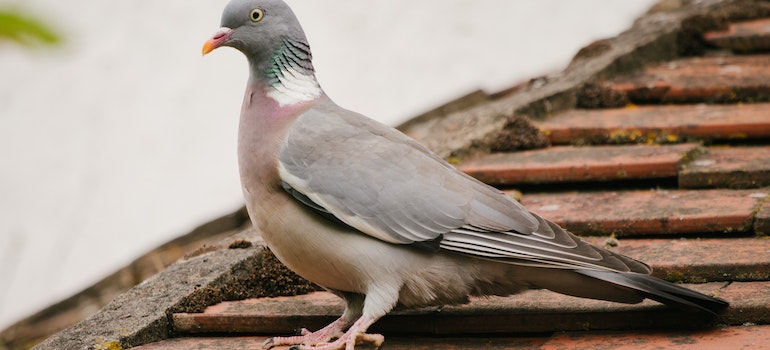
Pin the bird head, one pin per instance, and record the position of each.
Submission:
(271, 38)
(255, 27)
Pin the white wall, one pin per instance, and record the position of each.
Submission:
(124, 137)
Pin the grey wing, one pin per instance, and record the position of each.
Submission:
(384, 184)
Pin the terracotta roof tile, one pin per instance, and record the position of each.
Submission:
(649, 212)
(748, 337)
(728, 167)
(534, 311)
(696, 260)
(749, 303)
(742, 36)
(531, 311)
(739, 337)
(393, 343)
(721, 79)
(666, 124)
(578, 164)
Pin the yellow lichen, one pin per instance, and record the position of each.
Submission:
(625, 136)
(101, 344)
(676, 276)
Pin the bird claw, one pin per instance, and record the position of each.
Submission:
(347, 341)
(322, 338)
(269, 343)
(305, 339)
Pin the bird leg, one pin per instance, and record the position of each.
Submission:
(378, 301)
(368, 309)
(354, 304)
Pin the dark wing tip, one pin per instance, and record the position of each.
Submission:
(662, 291)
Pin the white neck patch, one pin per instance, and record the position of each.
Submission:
(294, 87)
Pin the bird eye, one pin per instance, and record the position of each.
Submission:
(256, 15)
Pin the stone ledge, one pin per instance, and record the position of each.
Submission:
(79, 306)
(139, 316)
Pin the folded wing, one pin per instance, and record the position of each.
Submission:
(384, 184)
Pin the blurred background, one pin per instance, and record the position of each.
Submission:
(116, 136)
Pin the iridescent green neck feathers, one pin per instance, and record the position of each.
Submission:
(290, 74)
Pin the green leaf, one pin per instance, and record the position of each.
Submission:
(25, 30)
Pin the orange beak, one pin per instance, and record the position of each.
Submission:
(217, 40)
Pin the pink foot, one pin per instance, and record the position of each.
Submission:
(321, 336)
(347, 341)
(320, 340)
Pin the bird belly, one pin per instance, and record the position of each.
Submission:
(318, 250)
(340, 258)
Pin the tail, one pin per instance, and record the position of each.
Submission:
(660, 290)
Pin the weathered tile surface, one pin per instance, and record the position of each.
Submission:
(742, 36)
(578, 164)
(535, 311)
(651, 212)
(762, 219)
(393, 342)
(531, 311)
(659, 124)
(749, 301)
(696, 260)
(738, 337)
(733, 338)
(728, 167)
(712, 79)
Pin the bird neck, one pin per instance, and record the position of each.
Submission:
(289, 74)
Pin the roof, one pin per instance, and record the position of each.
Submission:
(655, 144)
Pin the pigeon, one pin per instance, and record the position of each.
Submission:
(372, 216)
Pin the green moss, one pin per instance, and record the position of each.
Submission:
(599, 96)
